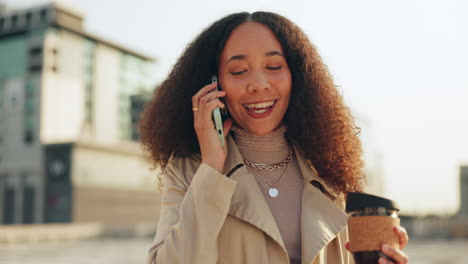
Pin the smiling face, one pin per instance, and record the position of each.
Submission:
(255, 75)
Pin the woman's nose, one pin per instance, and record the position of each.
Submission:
(258, 84)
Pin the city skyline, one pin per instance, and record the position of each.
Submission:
(400, 65)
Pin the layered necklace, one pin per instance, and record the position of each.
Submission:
(272, 191)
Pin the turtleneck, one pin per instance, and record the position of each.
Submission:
(286, 207)
(271, 148)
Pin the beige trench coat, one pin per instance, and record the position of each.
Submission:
(207, 217)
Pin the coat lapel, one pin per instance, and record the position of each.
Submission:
(321, 219)
(248, 202)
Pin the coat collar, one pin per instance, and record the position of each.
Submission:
(248, 202)
(322, 218)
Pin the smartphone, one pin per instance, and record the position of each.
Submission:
(218, 121)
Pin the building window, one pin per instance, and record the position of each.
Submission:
(14, 21)
(35, 51)
(9, 209)
(35, 68)
(89, 61)
(29, 195)
(43, 15)
(28, 137)
(132, 86)
(35, 59)
(28, 19)
(137, 103)
(29, 112)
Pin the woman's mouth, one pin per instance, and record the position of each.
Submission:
(259, 110)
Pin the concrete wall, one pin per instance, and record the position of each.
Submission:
(62, 111)
(62, 89)
(113, 185)
(115, 205)
(116, 166)
(106, 94)
(20, 165)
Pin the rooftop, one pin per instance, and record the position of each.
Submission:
(22, 19)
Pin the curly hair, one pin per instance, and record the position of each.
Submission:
(317, 120)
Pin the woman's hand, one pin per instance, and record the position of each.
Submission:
(203, 103)
(397, 254)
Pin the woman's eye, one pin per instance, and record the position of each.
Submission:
(238, 72)
(274, 68)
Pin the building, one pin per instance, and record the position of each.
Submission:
(448, 226)
(463, 192)
(69, 104)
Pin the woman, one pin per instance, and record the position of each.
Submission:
(274, 193)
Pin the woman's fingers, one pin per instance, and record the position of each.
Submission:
(204, 117)
(209, 107)
(399, 256)
(203, 91)
(208, 98)
(203, 104)
(396, 254)
(402, 235)
(204, 96)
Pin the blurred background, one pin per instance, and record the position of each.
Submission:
(75, 185)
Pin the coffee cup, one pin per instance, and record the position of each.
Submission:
(370, 225)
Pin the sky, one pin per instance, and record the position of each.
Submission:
(401, 65)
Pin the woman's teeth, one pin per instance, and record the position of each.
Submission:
(260, 111)
(260, 108)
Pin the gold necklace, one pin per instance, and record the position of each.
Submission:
(273, 191)
(270, 167)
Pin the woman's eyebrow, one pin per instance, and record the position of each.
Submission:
(273, 53)
(267, 54)
(236, 57)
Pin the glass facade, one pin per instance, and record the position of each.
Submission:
(89, 62)
(30, 109)
(13, 56)
(132, 93)
(2, 111)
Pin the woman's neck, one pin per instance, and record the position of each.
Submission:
(271, 148)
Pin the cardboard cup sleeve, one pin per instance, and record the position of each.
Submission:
(369, 233)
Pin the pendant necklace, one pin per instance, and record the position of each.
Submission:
(273, 191)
